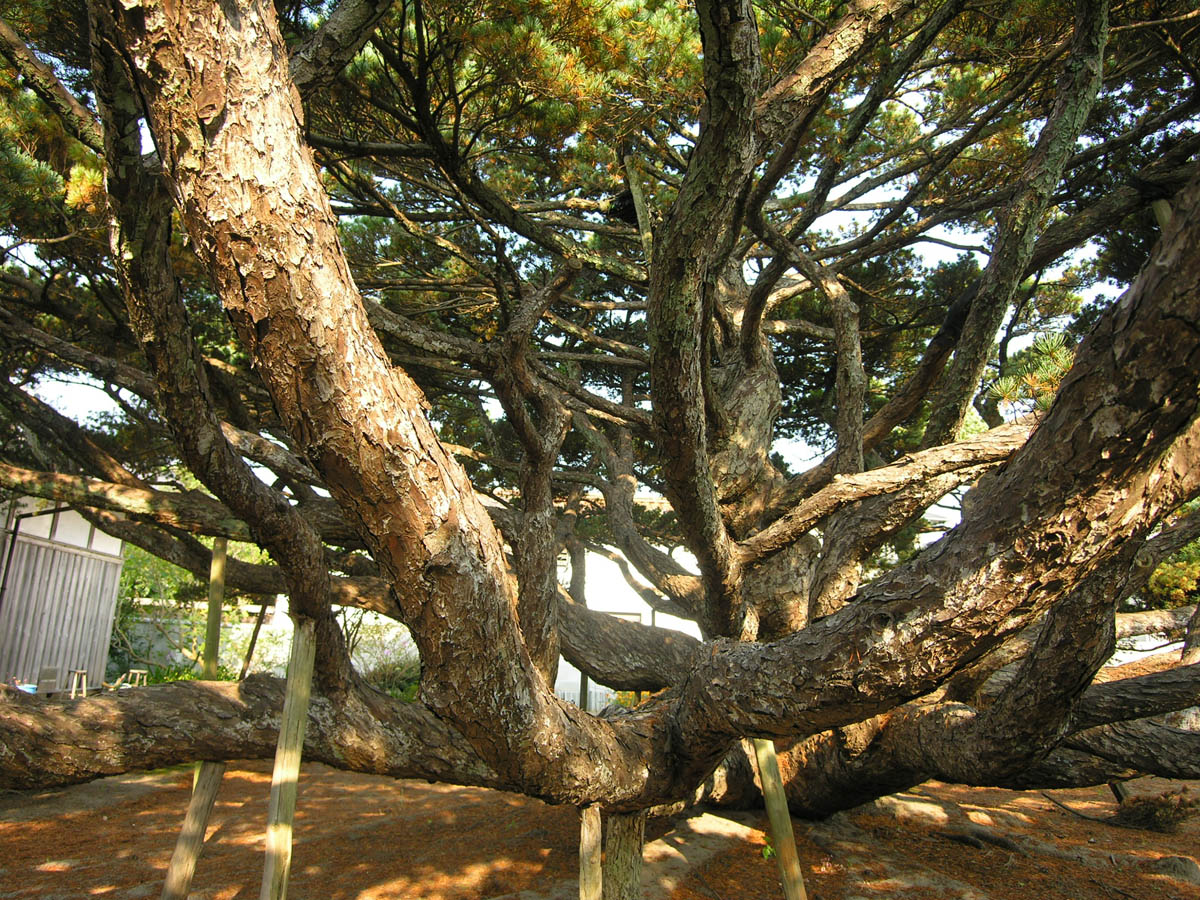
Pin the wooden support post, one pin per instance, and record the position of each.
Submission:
(624, 834)
(282, 808)
(191, 838)
(262, 614)
(212, 634)
(206, 778)
(1119, 791)
(583, 691)
(591, 880)
(782, 838)
(216, 598)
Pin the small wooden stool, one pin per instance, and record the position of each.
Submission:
(78, 681)
(137, 676)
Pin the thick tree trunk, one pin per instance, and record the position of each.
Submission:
(245, 185)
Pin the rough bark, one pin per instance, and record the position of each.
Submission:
(228, 125)
(1040, 518)
(316, 62)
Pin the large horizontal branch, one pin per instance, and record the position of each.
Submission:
(361, 591)
(1167, 174)
(187, 510)
(1137, 698)
(1144, 745)
(625, 656)
(162, 725)
(1170, 622)
(1064, 767)
(924, 740)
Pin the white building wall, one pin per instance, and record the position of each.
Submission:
(59, 592)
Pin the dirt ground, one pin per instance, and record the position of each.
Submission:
(365, 838)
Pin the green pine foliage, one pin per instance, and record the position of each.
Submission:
(1035, 376)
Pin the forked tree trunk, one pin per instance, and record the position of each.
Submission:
(623, 838)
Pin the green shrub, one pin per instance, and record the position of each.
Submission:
(397, 678)
(185, 672)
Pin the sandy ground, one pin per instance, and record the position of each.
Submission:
(366, 838)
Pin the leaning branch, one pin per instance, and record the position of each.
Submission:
(317, 62)
(75, 117)
(187, 510)
(991, 447)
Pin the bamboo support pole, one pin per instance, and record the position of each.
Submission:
(591, 882)
(282, 809)
(1162, 213)
(780, 818)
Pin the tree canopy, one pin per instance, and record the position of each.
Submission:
(426, 294)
